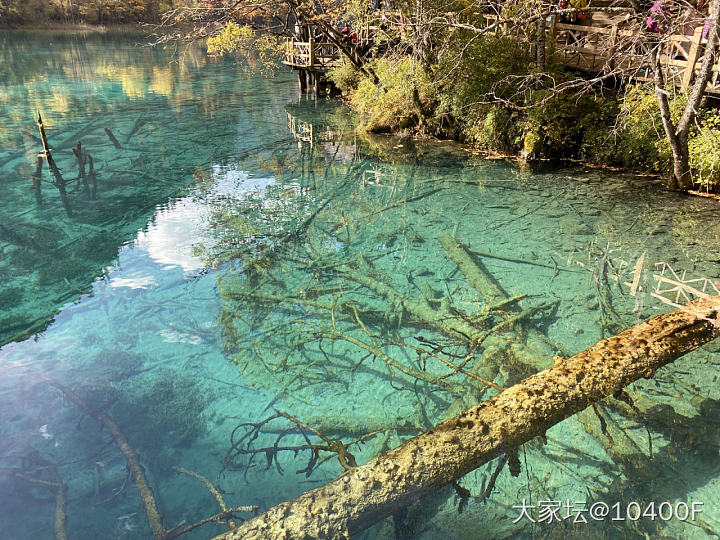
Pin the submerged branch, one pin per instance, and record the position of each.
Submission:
(453, 448)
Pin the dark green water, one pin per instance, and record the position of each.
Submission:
(236, 261)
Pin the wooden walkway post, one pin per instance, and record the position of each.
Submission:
(695, 50)
(613, 46)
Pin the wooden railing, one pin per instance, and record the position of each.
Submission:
(593, 48)
(605, 48)
(590, 48)
(311, 54)
(598, 49)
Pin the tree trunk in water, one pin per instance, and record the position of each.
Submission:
(367, 494)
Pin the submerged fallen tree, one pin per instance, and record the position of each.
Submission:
(367, 494)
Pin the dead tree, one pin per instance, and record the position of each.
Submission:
(59, 181)
(369, 493)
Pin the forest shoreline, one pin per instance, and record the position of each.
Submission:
(414, 131)
(77, 27)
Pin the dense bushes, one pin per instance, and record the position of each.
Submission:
(705, 149)
(475, 97)
(403, 98)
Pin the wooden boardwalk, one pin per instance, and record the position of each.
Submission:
(596, 48)
(316, 55)
(311, 59)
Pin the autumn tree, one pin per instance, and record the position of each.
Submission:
(85, 11)
(239, 25)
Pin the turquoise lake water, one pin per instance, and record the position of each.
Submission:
(247, 252)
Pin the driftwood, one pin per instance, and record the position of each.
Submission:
(37, 181)
(59, 180)
(473, 269)
(225, 513)
(60, 521)
(81, 159)
(92, 175)
(113, 139)
(616, 443)
(367, 494)
(56, 483)
(420, 309)
(137, 472)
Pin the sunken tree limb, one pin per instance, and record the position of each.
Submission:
(392, 481)
(137, 471)
(473, 269)
(59, 180)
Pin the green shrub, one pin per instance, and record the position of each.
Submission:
(704, 147)
(400, 101)
(560, 122)
(466, 75)
(493, 130)
(345, 78)
(641, 139)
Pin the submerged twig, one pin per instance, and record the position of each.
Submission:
(224, 515)
(59, 180)
(112, 138)
(218, 497)
(81, 157)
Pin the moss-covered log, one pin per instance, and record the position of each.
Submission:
(472, 268)
(394, 480)
(420, 309)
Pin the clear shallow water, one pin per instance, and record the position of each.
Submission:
(231, 270)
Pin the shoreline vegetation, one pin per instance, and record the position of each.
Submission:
(484, 90)
(78, 28)
(87, 15)
(495, 75)
(71, 27)
(617, 129)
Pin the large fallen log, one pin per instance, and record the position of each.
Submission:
(392, 481)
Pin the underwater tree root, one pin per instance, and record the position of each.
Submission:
(369, 493)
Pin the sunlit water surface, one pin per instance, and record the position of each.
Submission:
(236, 261)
